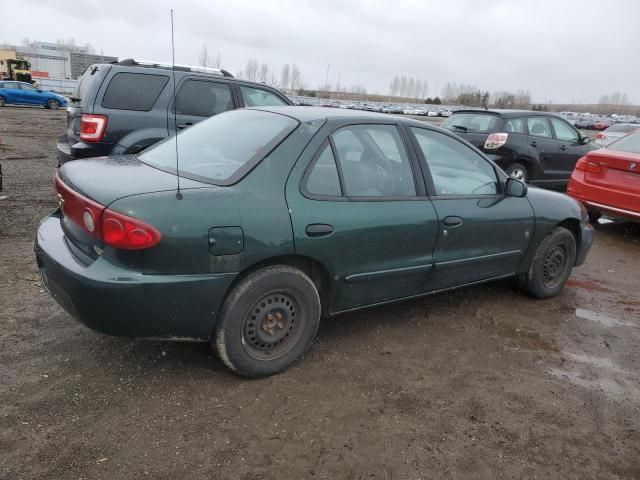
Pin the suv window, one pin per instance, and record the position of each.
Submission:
(257, 97)
(473, 122)
(563, 131)
(323, 179)
(133, 91)
(515, 125)
(202, 98)
(455, 168)
(539, 127)
(374, 162)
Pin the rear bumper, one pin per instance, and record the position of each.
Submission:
(67, 152)
(117, 301)
(608, 201)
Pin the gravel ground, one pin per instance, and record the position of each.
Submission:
(479, 383)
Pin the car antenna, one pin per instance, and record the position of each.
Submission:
(175, 110)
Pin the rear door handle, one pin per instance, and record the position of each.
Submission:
(563, 147)
(534, 143)
(319, 230)
(452, 221)
(184, 125)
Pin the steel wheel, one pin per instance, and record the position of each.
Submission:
(554, 266)
(2, 101)
(518, 171)
(518, 174)
(53, 104)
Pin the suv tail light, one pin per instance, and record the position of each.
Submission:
(113, 228)
(496, 140)
(601, 136)
(585, 165)
(92, 127)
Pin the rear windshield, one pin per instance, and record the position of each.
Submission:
(630, 143)
(473, 122)
(221, 149)
(623, 128)
(83, 84)
(134, 91)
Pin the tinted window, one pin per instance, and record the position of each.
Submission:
(630, 143)
(133, 91)
(27, 87)
(203, 99)
(11, 86)
(473, 122)
(84, 83)
(221, 149)
(455, 168)
(563, 131)
(539, 127)
(257, 97)
(323, 178)
(515, 125)
(374, 162)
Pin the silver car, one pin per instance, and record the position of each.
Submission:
(614, 132)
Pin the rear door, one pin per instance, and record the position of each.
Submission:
(359, 209)
(31, 95)
(13, 93)
(543, 146)
(570, 149)
(482, 233)
(198, 98)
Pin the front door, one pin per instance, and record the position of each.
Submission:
(543, 146)
(570, 148)
(482, 233)
(357, 208)
(198, 99)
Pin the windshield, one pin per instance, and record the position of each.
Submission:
(630, 144)
(623, 128)
(473, 122)
(221, 149)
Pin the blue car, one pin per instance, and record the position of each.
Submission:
(21, 93)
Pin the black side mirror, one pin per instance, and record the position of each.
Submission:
(584, 140)
(515, 188)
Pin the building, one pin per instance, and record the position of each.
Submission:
(58, 60)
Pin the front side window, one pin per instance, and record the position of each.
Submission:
(373, 161)
(539, 127)
(323, 179)
(563, 131)
(221, 149)
(133, 91)
(201, 98)
(455, 168)
(257, 97)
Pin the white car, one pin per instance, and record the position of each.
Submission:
(615, 132)
(432, 113)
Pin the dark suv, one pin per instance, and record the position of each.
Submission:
(536, 147)
(125, 107)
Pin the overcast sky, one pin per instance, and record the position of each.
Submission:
(559, 50)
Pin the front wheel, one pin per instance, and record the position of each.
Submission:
(53, 104)
(551, 265)
(518, 171)
(3, 101)
(268, 321)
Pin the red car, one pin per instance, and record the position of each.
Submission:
(607, 181)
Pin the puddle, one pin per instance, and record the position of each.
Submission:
(606, 385)
(602, 319)
(599, 362)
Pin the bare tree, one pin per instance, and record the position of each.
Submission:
(285, 77)
(394, 87)
(403, 86)
(203, 58)
(295, 78)
(425, 89)
(251, 70)
(263, 73)
(218, 63)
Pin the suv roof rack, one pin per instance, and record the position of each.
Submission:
(130, 62)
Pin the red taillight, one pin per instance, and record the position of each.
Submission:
(496, 140)
(92, 127)
(585, 165)
(121, 231)
(78, 208)
(601, 136)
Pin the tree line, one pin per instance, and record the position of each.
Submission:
(408, 87)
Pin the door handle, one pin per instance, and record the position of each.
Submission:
(563, 147)
(319, 230)
(452, 221)
(534, 143)
(184, 125)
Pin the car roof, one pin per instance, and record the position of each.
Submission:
(505, 113)
(309, 114)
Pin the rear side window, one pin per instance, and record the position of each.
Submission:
(473, 122)
(257, 97)
(323, 178)
(515, 125)
(201, 98)
(221, 149)
(133, 91)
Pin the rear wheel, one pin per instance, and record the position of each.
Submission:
(268, 321)
(551, 265)
(3, 101)
(518, 171)
(53, 104)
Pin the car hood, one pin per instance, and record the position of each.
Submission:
(107, 179)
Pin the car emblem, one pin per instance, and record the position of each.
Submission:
(633, 166)
(60, 202)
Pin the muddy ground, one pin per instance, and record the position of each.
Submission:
(480, 383)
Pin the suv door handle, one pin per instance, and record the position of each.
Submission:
(319, 230)
(184, 125)
(534, 143)
(563, 147)
(452, 221)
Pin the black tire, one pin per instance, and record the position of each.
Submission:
(594, 215)
(551, 265)
(3, 101)
(52, 104)
(518, 171)
(267, 321)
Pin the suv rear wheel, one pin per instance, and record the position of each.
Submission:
(268, 321)
(518, 171)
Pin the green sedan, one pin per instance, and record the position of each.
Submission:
(275, 217)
